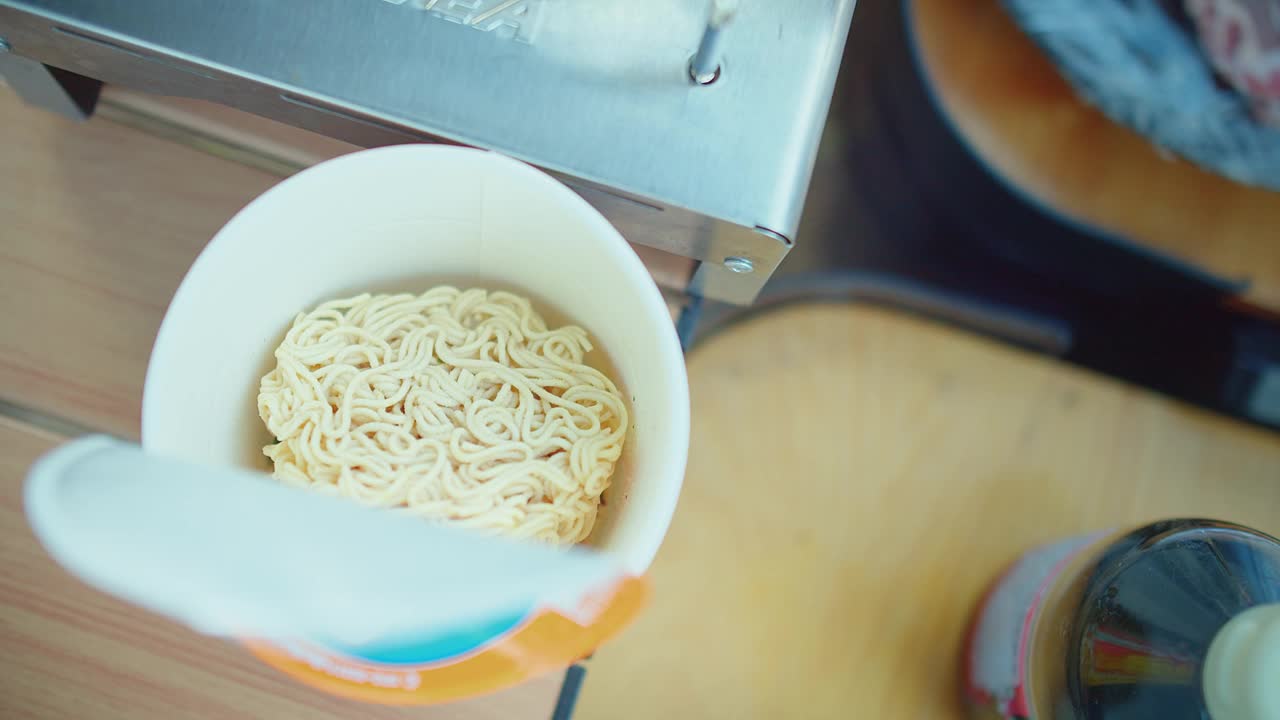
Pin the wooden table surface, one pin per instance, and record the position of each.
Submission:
(856, 477)
(1017, 112)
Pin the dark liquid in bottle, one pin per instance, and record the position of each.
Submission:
(1152, 606)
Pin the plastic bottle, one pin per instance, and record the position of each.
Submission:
(1177, 619)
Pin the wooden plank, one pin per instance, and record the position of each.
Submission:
(100, 224)
(67, 651)
(857, 478)
(1009, 102)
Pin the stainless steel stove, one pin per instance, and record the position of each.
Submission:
(692, 125)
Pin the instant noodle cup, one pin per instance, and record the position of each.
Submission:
(403, 219)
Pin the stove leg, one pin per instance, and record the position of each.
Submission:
(50, 88)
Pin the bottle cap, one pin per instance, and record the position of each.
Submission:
(1242, 669)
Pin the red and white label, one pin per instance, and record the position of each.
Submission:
(996, 656)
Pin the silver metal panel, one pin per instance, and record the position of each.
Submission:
(597, 91)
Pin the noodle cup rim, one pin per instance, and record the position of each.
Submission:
(636, 558)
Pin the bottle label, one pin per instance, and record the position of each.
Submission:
(996, 654)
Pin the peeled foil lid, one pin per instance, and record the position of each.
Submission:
(368, 604)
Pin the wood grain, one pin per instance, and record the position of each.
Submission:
(67, 651)
(857, 478)
(1011, 105)
(99, 226)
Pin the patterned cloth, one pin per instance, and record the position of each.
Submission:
(1140, 62)
(1242, 39)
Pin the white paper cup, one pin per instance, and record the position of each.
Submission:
(402, 219)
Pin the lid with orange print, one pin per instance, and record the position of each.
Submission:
(366, 604)
(459, 662)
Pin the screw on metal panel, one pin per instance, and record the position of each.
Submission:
(703, 78)
(739, 264)
(704, 66)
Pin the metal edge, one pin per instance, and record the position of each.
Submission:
(569, 691)
(716, 283)
(720, 277)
